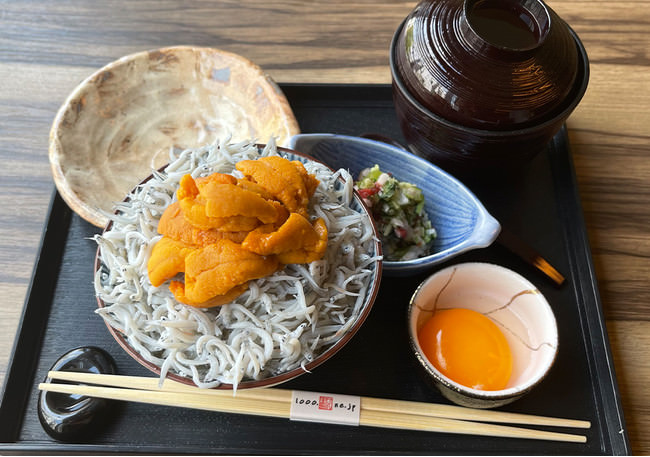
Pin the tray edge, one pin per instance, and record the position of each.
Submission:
(22, 369)
(600, 351)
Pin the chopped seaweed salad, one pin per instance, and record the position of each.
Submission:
(398, 210)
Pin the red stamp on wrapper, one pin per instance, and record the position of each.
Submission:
(325, 403)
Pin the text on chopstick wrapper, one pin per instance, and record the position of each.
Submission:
(322, 407)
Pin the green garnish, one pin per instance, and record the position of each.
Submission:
(398, 210)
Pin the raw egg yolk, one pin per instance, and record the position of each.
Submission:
(468, 348)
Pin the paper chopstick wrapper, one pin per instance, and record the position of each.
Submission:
(323, 407)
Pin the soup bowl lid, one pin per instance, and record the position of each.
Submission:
(488, 64)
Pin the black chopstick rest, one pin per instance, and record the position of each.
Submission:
(67, 417)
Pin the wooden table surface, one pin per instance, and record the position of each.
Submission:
(48, 47)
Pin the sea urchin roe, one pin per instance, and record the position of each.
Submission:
(224, 231)
(295, 232)
(468, 348)
(167, 260)
(287, 181)
(174, 225)
(214, 270)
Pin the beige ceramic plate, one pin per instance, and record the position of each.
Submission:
(119, 124)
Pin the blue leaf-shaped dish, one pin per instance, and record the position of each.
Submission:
(458, 216)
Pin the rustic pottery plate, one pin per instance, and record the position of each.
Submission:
(120, 123)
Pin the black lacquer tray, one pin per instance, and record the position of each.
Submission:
(541, 205)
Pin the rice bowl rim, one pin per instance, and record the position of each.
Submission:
(371, 296)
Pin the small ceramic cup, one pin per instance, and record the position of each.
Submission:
(514, 304)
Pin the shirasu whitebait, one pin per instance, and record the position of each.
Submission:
(281, 323)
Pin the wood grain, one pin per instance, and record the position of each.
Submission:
(47, 48)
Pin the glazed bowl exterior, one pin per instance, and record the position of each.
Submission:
(478, 120)
(513, 303)
(460, 219)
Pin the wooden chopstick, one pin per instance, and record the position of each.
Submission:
(517, 246)
(273, 402)
(283, 395)
(282, 410)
